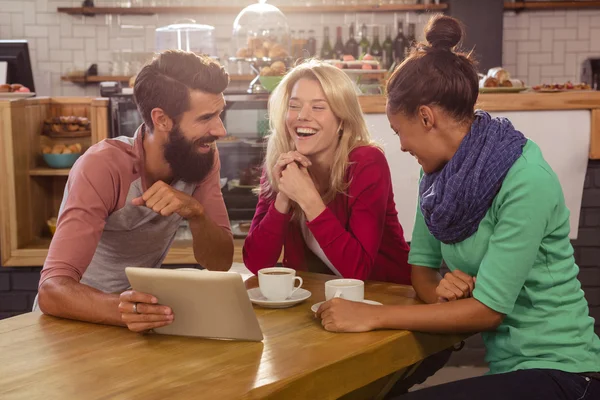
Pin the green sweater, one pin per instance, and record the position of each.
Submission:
(523, 260)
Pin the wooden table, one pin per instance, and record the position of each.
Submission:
(51, 358)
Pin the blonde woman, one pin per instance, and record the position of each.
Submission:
(326, 196)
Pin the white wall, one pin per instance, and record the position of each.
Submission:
(563, 136)
(59, 42)
(550, 46)
(542, 46)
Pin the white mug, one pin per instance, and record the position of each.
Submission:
(277, 283)
(349, 289)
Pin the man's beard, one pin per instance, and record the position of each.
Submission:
(182, 155)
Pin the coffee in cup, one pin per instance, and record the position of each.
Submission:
(277, 283)
(349, 289)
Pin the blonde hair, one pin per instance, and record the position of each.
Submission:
(341, 96)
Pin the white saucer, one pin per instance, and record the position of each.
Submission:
(315, 307)
(298, 297)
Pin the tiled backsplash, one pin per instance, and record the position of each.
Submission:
(550, 46)
(538, 46)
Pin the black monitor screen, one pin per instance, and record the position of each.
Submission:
(16, 53)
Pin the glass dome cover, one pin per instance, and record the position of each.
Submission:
(187, 35)
(261, 31)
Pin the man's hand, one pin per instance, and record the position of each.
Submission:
(140, 311)
(456, 285)
(165, 200)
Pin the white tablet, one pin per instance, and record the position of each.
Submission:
(205, 303)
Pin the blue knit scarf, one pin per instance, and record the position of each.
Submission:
(455, 199)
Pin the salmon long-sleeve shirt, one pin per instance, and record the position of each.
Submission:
(100, 232)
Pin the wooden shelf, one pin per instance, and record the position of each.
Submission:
(94, 79)
(508, 5)
(104, 78)
(550, 5)
(49, 171)
(90, 11)
(528, 101)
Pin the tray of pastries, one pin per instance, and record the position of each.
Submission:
(67, 127)
(498, 80)
(368, 64)
(261, 48)
(14, 91)
(561, 87)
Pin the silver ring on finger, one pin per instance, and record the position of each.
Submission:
(135, 310)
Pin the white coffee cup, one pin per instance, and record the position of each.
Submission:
(277, 283)
(349, 289)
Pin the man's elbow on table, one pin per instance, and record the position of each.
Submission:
(221, 260)
(49, 294)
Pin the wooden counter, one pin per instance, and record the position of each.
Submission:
(588, 100)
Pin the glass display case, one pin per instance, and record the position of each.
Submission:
(242, 154)
(187, 35)
(260, 38)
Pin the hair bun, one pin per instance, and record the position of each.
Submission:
(443, 32)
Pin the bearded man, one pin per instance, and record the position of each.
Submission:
(126, 197)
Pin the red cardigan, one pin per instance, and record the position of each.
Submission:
(359, 232)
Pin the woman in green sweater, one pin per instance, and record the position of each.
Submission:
(493, 210)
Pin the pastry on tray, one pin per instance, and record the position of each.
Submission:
(14, 88)
(66, 124)
(498, 77)
(562, 86)
(499, 73)
(489, 82)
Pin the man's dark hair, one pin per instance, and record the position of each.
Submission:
(166, 81)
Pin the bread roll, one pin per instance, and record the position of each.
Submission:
(242, 53)
(278, 68)
(266, 71)
(517, 83)
(489, 82)
(499, 73)
(58, 148)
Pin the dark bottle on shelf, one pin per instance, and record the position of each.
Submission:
(376, 49)
(388, 49)
(302, 45)
(326, 49)
(338, 49)
(411, 39)
(364, 41)
(351, 47)
(294, 44)
(311, 43)
(399, 45)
